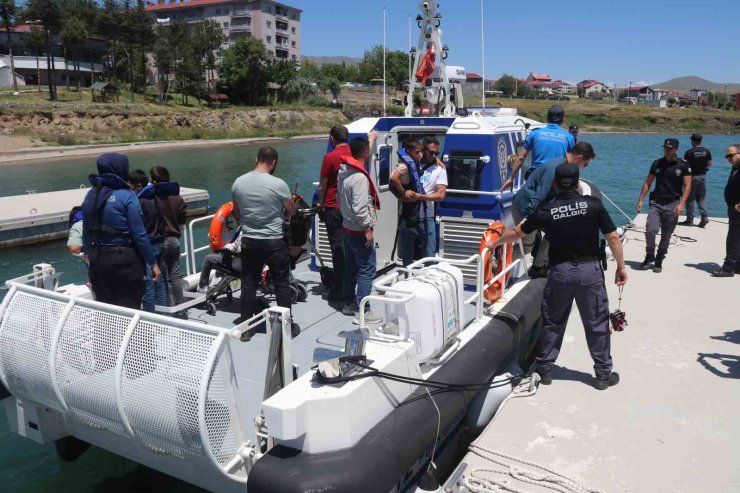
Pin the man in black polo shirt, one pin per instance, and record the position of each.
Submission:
(731, 265)
(572, 223)
(700, 160)
(672, 178)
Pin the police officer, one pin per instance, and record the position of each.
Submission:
(573, 130)
(699, 159)
(572, 222)
(672, 178)
(114, 236)
(731, 265)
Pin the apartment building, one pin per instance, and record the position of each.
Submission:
(276, 24)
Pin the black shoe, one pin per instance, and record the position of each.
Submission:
(537, 272)
(649, 259)
(295, 330)
(737, 269)
(658, 267)
(724, 273)
(704, 221)
(545, 378)
(247, 335)
(605, 383)
(687, 222)
(335, 295)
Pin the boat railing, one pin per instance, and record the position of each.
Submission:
(190, 248)
(166, 384)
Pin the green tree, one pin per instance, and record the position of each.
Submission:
(7, 15)
(244, 72)
(282, 73)
(506, 84)
(396, 66)
(333, 85)
(298, 89)
(48, 14)
(35, 39)
(73, 34)
(309, 70)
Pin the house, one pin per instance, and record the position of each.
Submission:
(735, 100)
(590, 88)
(276, 24)
(697, 94)
(642, 93)
(539, 83)
(563, 87)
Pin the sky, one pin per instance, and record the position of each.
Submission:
(619, 42)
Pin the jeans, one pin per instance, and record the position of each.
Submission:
(171, 258)
(117, 276)
(333, 222)
(663, 218)
(698, 194)
(732, 260)
(359, 270)
(584, 283)
(155, 293)
(423, 231)
(535, 238)
(255, 254)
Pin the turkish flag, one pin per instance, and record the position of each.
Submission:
(426, 67)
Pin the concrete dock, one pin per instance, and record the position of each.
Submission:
(671, 425)
(39, 217)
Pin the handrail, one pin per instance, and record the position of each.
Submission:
(4, 306)
(475, 192)
(192, 249)
(56, 337)
(119, 376)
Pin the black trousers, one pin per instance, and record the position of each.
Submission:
(333, 222)
(732, 260)
(256, 253)
(117, 276)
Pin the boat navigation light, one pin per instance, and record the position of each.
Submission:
(485, 159)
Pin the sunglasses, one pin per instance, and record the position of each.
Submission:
(433, 153)
(728, 156)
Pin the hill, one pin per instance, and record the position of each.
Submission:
(690, 81)
(333, 60)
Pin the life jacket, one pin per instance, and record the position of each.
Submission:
(355, 164)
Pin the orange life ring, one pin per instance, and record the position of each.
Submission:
(219, 225)
(493, 233)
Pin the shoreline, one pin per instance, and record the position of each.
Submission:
(15, 156)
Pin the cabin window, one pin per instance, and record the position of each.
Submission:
(384, 166)
(464, 170)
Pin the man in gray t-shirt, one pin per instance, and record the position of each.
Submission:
(262, 203)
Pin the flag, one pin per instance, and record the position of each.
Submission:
(426, 67)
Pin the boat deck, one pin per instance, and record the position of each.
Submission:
(671, 424)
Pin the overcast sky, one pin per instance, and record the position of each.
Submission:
(618, 41)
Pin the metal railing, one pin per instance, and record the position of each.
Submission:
(190, 249)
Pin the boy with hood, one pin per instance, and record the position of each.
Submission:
(114, 237)
(358, 202)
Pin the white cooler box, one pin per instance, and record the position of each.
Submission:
(434, 316)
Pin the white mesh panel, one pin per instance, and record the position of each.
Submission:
(163, 368)
(25, 341)
(86, 360)
(224, 433)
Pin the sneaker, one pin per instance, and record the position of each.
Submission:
(658, 267)
(202, 289)
(687, 222)
(545, 378)
(724, 273)
(605, 383)
(370, 318)
(704, 221)
(649, 259)
(350, 309)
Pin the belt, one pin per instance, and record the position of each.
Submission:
(353, 232)
(577, 260)
(113, 247)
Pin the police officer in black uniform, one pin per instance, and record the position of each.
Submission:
(672, 178)
(731, 266)
(699, 159)
(573, 222)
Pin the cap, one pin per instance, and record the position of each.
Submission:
(696, 137)
(673, 143)
(573, 128)
(556, 113)
(566, 175)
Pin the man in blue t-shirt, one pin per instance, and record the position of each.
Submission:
(545, 144)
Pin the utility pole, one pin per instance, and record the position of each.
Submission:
(384, 112)
(483, 53)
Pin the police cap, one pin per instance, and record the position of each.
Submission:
(672, 143)
(555, 114)
(566, 176)
(696, 137)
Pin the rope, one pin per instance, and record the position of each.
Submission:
(630, 223)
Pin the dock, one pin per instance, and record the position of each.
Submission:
(671, 424)
(40, 217)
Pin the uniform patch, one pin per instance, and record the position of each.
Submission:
(576, 209)
(502, 154)
(678, 172)
(112, 199)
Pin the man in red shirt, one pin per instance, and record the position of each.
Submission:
(332, 217)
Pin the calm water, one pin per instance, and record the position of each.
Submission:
(619, 170)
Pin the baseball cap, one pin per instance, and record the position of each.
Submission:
(556, 113)
(671, 143)
(696, 137)
(573, 128)
(566, 175)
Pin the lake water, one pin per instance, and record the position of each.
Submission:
(620, 167)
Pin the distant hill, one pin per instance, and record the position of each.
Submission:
(333, 60)
(689, 82)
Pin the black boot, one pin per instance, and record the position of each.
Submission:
(649, 259)
(704, 221)
(658, 267)
(723, 272)
(688, 222)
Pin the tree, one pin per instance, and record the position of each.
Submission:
(298, 89)
(73, 34)
(36, 40)
(506, 84)
(334, 86)
(282, 73)
(7, 14)
(243, 72)
(309, 70)
(48, 14)
(396, 66)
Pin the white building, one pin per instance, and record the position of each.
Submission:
(591, 88)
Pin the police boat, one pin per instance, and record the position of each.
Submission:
(369, 409)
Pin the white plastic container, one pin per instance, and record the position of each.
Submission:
(433, 317)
